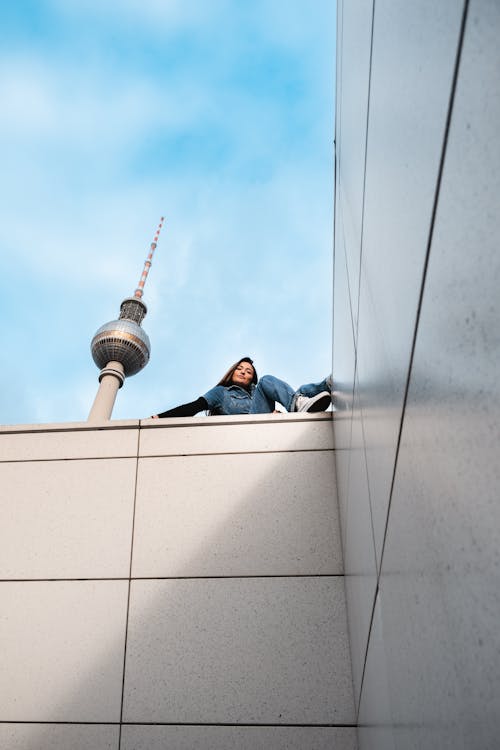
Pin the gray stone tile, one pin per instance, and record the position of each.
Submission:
(440, 574)
(66, 519)
(412, 69)
(242, 651)
(343, 373)
(352, 103)
(63, 648)
(244, 738)
(239, 514)
(244, 433)
(375, 726)
(359, 553)
(58, 737)
(63, 441)
(344, 352)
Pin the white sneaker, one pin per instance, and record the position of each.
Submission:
(321, 402)
(329, 382)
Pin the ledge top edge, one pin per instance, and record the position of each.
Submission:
(127, 424)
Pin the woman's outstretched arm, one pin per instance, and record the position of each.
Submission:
(185, 410)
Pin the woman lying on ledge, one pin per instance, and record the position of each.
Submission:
(240, 392)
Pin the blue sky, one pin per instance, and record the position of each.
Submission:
(217, 114)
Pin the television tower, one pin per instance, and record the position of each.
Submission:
(121, 347)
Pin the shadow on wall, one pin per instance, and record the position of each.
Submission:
(233, 618)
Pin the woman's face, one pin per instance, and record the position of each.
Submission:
(243, 374)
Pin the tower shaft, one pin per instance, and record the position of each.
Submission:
(110, 380)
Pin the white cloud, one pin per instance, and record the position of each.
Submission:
(155, 15)
(91, 108)
(243, 263)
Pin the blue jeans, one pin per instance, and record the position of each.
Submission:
(270, 389)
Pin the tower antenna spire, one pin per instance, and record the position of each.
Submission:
(147, 263)
(121, 348)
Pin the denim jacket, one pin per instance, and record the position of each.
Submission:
(230, 399)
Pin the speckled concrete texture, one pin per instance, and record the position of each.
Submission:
(58, 441)
(243, 738)
(253, 514)
(344, 368)
(431, 676)
(440, 588)
(62, 650)
(375, 724)
(238, 434)
(235, 648)
(412, 71)
(58, 737)
(66, 519)
(243, 651)
(359, 553)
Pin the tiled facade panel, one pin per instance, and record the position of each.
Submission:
(440, 578)
(398, 203)
(404, 145)
(348, 240)
(414, 52)
(343, 369)
(343, 334)
(243, 738)
(352, 103)
(58, 737)
(242, 434)
(48, 442)
(66, 519)
(238, 651)
(432, 664)
(62, 650)
(238, 514)
(238, 613)
(376, 730)
(359, 552)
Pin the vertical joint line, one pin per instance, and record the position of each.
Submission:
(427, 257)
(364, 178)
(419, 306)
(129, 587)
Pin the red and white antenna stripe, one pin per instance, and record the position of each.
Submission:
(147, 263)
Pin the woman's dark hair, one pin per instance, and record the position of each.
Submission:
(227, 379)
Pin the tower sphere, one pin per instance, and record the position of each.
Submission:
(121, 341)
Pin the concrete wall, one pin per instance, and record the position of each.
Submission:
(177, 583)
(416, 358)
